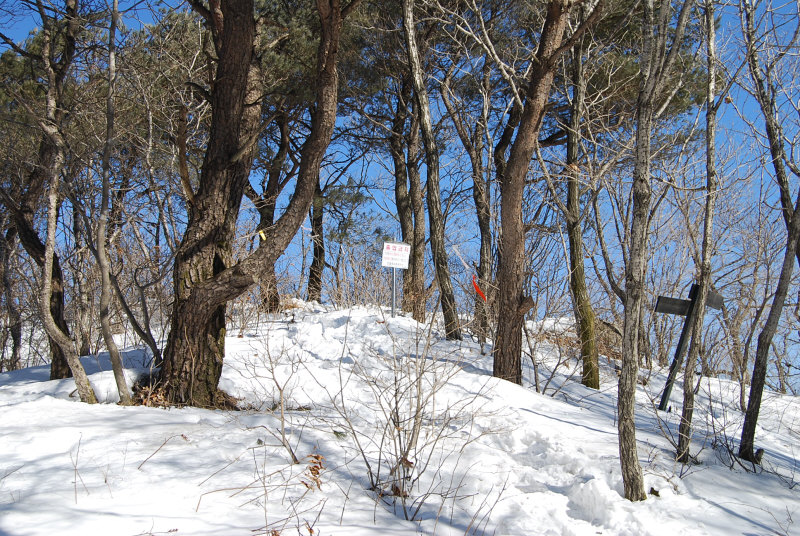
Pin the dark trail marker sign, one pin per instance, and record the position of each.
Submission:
(687, 308)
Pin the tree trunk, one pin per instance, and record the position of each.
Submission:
(633, 480)
(59, 368)
(435, 216)
(7, 245)
(266, 204)
(413, 278)
(318, 239)
(704, 276)
(205, 278)
(765, 95)
(103, 262)
(765, 339)
(417, 258)
(196, 343)
(656, 64)
(512, 304)
(62, 339)
(83, 332)
(584, 314)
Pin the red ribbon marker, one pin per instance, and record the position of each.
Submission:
(477, 288)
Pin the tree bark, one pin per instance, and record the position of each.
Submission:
(418, 240)
(435, 216)
(747, 443)
(196, 343)
(7, 245)
(634, 292)
(704, 263)
(656, 63)
(408, 199)
(584, 313)
(83, 320)
(103, 262)
(512, 304)
(318, 238)
(205, 277)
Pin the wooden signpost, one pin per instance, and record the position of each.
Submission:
(687, 308)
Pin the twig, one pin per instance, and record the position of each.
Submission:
(159, 448)
(77, 475)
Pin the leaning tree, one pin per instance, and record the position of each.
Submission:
(206, 276)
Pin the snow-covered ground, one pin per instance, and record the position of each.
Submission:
(396, 432)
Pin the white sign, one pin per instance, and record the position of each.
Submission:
(395, 255)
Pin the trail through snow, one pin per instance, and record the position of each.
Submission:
(490, 457)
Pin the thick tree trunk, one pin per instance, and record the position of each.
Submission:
(205, 277)
(318, 239)
(435, 216)
(196, 344)
(512, 304)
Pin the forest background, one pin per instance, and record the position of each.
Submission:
(169, 167)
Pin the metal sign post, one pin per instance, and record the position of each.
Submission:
(395, 255)
(687, 308)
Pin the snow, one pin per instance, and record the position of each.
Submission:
(347, 387)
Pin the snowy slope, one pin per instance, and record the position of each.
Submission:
(346, 392)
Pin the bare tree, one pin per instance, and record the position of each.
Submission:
(703, 263)
(474, 141)
(103, 261)
(766, 82)
(55, 59)
(435, 216)
(658, 56)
